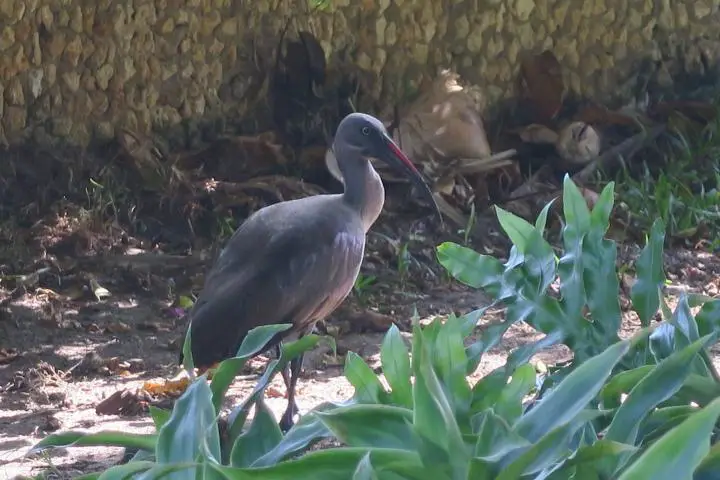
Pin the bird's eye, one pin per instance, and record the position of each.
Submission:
(366, 130)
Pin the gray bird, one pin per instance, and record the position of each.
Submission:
(296, 261)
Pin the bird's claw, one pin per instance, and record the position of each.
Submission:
(288, 419)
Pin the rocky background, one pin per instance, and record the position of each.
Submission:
(76, 70)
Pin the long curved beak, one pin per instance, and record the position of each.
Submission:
(395, 157)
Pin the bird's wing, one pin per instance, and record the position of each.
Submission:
(274, 275)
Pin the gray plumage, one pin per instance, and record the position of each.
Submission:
(289, 263)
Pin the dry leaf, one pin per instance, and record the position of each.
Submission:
(542, 83)
(168, 388)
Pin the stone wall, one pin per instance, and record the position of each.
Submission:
(77, 69)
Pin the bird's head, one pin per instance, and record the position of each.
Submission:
(360, 137)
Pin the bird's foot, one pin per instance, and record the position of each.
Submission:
(288, 419)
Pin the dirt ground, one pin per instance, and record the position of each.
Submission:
(63, 350)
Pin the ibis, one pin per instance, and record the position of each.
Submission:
(295, 262)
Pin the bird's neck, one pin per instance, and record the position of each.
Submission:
(366, 196)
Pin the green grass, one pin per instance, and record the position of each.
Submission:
(680, 185)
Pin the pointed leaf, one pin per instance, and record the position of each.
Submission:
(517, 229)
(621, 383)
(572, 395)
(159, 416)
(368, 388)
(677, 453)
(433, 417)
(709, 468)
(254, 343)
(602, 286)
(357, 425)
(600, 216)
(575, 210)
(301, 436)
(450, 363)
(541, 220)
(495, 437)
(545, 452)
(257, 339)
(122, 472)
(604, 458)
(223, 377)
(509, 405)
(364, 470)
(395, 359)
(645, 293)
(107, 438)
(659, 385)
(192, 427)
(188, 361)
(708, 318)
(662, 341)
(469, 267)
(288, 351)
(337, 464)
(263, 435)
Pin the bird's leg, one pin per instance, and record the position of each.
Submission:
(286, 369)
(287, 420)
(287, 379)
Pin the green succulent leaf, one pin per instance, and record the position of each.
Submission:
(547, 451)
(658, 385)
(364, 470)
(339, 464)
(541, 220)
(191, 430)
(255, 342)
(368, 388)
(263, 435)
(107, 438)
(645, 292)
(471, 268)
(680, 451)
(509, 404)
(378, 426)
(395, 359)
(709, 468)
(495, 437)
(572, 395)
(708, 318)
(433, 416)
(450, 363)
(600, 216)
(577, 214)
(308, 430)
(159, 416)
